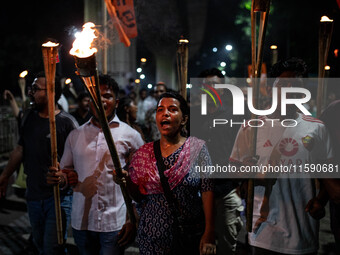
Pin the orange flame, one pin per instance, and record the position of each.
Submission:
(82, 45)
(23, 74)
(325, 19)
(50, 44)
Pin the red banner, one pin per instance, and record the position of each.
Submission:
(122, 13)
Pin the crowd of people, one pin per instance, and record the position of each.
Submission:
(179, 210)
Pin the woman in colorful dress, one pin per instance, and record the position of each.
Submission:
(192, 192)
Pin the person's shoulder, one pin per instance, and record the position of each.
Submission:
(127, 129)
(310, 119)
(67, 117)
(146, 147)
(195, 142)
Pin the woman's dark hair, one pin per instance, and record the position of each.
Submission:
(183, 105)
(121, 110)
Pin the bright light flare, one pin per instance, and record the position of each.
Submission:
(149, 86)
(137, 81)
(325, 19)
(327, 68)
(50, 44)
(273, 47)
(82, 44)
(183, 41)
(228, 47)
(23, 74)
(143, 60)
(68, 81)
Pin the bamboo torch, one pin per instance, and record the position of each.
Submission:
(22, 85)
(50, 51)
(262, 7)
(182, 55)
(85, 61)
(325, 35)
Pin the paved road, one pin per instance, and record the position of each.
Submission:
(15, 229)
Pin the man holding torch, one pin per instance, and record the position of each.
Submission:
(35, 151)
(99, 217)
(286, 209)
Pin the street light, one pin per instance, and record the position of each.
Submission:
(228, 47)
(139, 70)
(142, 76)
(214, 49)
(223, 64)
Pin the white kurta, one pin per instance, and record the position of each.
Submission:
(98, 203)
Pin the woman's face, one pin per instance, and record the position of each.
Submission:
(169, 117)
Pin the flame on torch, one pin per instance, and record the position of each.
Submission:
(50, 44)
(23, 74)
(325, 19)
(82, 45)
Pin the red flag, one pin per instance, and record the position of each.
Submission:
(122, 13)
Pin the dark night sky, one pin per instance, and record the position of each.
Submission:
(26, 24)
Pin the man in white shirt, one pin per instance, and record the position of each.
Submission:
(98, 210)
(281, 223)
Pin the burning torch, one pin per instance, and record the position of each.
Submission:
(262, 7)
(85, 61)
(325, 35)
(182, 65)
(50, 52)
(22, 85)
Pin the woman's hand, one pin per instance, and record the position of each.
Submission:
(127, 234)
(207, 244)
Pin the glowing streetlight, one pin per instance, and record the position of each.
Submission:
(139, 70)
(143, 60)
(223, 64)
(142, 76)
(149, 86)
(273, 47)
(137, 81)
(228, 47)
(327, 68)
(214, 49)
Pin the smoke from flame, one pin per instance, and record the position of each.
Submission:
(82, 44)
